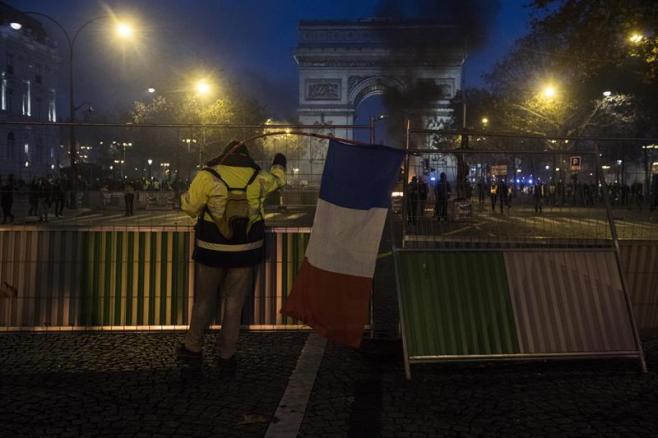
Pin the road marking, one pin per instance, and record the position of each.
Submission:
(552, 221)
(290, 412)
(459, 230)
(491, 218)
(632, 224)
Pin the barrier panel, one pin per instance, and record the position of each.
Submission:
(127, 278)
(512, 304)
(639, 260)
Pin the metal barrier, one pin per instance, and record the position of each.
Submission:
(512, 304)
(639, 260)
(109, 278)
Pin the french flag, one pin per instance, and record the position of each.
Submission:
(333, 287)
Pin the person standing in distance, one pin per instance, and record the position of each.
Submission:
(442, 192)
(129, 198)
(7, 199)
(227, 197)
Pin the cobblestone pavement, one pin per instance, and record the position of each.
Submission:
(112, 384)
(107, 384)
(364, 393)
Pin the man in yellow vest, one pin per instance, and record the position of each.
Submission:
(227, 197)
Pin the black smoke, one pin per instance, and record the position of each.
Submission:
(473, 17)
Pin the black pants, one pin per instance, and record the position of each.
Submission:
(59, 206)
(129, 199)
(442, 208)
(413, 209)
(6, 213)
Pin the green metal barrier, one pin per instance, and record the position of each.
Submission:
(127, 278)
(525, 304)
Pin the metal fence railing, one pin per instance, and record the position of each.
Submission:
(519, 191)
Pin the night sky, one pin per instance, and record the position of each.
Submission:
(250, 41)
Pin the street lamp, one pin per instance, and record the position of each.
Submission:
(202, 87)
(549, 91)
(636, 38)
(151, 90)
(149, 161)
(124, 31)
(373, 126)
(607, 93)
(485, 121)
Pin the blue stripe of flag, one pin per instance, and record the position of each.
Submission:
(360, 176)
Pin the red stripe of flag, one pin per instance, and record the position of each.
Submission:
(334, 305)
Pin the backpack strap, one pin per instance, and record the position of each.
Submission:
(216, 174)
(219, 177)
(252, 179)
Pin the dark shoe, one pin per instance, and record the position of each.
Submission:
(227, 367)
(188, 357)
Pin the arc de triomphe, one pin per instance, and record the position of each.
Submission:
(341, 63)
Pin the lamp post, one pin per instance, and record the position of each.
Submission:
(124, 30)
(647, 169)
(373, 126)
(150, 162)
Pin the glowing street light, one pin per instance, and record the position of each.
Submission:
(16, 26)
(636, 38)
(151, 90)
(549, 91)
(124, 30)
(607, 93)
(202, 87)
(485, 121)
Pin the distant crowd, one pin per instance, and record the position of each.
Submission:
(500, 193)
(49, 195)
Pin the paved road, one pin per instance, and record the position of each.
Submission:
(127, 384)
(109, 218)
(519, 223)
(522, 223)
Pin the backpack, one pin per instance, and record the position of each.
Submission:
(235, 219)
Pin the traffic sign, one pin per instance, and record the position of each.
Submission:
(575, 163)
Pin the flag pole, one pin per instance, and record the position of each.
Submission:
(405, 174)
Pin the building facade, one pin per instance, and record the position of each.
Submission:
(28, 75)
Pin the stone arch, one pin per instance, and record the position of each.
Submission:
(362, 88)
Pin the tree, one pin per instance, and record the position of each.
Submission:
(582, 49)
(184, 148)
